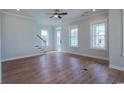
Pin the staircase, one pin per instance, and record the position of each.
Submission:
(41, 47)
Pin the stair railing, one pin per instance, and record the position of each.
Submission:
(43, 42)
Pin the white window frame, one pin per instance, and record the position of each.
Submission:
(91, 32)
(73, 27)
(47, 43)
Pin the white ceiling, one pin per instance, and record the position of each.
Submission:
(43, 18)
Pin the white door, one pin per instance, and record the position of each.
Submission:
(58, 40)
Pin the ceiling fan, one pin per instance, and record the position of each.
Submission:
(57, 14)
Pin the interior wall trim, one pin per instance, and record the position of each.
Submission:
(116, 67)
(20, 57)
(104, 58)
(18, 15)
(25, 56)
(89, 16)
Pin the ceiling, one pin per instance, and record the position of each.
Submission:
(43, 18)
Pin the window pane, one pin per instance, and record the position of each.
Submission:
(98, 35)
(74, 37)
(97, 29)
(44, 35)
(102, 29)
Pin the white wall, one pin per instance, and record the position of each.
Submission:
(19, 36)
(123, 33)
(115, 39)
(84, 37)
(0, 50)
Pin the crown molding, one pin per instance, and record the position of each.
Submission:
(17, 15)
(87, 16)
(70, 21)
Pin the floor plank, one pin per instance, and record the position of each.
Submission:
(60, 68)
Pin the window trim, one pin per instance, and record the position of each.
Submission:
(106, 34)
(48, 35)
(72, 27)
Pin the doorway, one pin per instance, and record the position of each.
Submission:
(58, 40)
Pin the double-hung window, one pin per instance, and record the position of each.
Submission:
(98, 35)
(45, 36)
(73, 36)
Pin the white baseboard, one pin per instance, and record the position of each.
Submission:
(20, 57)
(116, 67)
(87, 55)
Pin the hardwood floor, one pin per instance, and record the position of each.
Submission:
(60, 68)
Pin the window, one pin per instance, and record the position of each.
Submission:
(98, 35)
(74, 36)
(44, 35)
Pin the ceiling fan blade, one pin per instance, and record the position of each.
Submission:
(51, 16)
(59, 17)
(64, 13)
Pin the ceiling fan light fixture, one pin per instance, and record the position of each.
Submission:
(56, 16)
